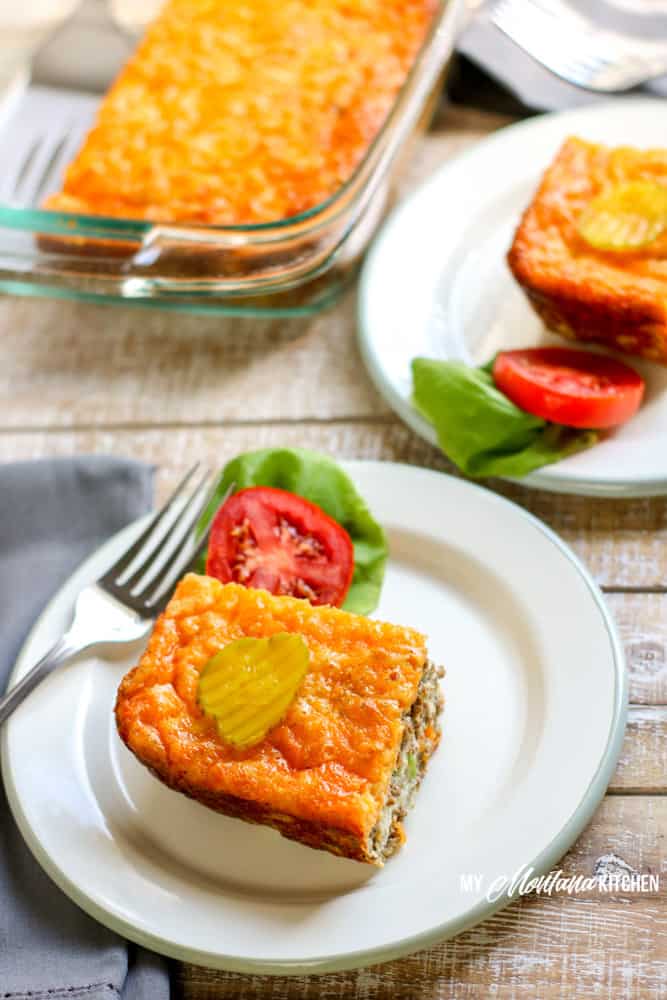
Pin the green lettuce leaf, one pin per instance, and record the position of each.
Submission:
(480, 429)
(319, 479)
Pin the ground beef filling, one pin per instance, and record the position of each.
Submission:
(413, 756)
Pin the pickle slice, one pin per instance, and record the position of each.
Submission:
(249, 685)
(626, 217)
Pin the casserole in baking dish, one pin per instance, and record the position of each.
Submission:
(241, 161)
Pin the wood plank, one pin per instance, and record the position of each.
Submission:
(642, 622)
(74, 364)
(623, 542)
(539, 948)
(642, 766)
(454, 129)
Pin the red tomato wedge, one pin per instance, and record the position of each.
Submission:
(575, 388)
(274, 540)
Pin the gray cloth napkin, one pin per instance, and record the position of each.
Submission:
(535, 86)
(53, 514)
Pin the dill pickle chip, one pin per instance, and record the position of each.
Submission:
(249, 685)
(626, 217)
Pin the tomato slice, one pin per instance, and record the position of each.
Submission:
(274, 540)
(575, 388)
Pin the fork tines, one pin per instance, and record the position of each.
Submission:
(143, 578)
(576, 47)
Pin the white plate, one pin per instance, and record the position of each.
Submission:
(436, 284)
(533, 725)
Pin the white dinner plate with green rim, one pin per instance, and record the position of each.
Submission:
(436, 284)
(533, 723)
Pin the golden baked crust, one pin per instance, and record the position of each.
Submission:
(248, 112)
(617, 299)
(320, 776)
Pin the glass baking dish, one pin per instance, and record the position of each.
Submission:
(294, 266)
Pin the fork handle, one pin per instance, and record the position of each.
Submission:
(61, 651)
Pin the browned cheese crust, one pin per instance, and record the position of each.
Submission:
(321, 776)
(612, 298)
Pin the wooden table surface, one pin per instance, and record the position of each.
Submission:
(165, 387)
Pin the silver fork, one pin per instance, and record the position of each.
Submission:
(121, 606)
(576, 49)
(35, 171)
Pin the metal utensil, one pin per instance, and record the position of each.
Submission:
(576, 49)
(121, 606)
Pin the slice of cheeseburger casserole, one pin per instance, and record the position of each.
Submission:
(341, 766)
(601, 291)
